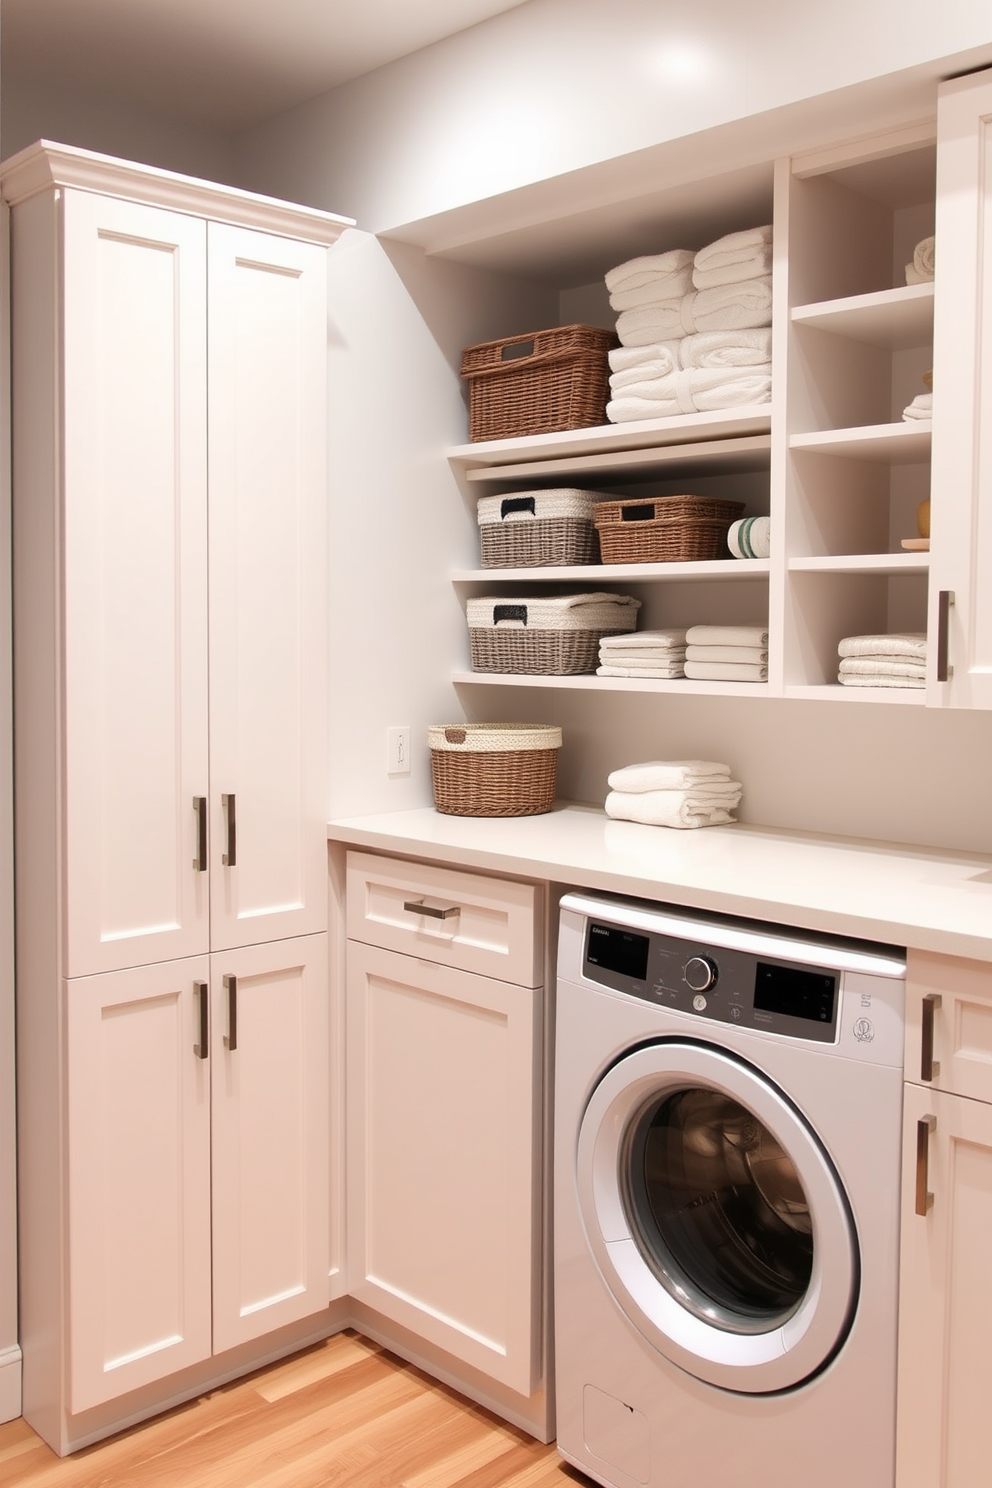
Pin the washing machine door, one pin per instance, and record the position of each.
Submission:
(716, 1217)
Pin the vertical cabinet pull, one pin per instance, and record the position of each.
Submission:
(924, 1198)
(231, 1036)
(200, 992)
(945, 598)
(200, 809)
(229, 856)
(929, 1067)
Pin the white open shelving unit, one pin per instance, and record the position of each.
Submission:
(830, 459)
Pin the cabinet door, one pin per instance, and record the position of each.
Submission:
(443, 1157)
(268, 627)
(961, 540)
(949, 1023)
(138, 1143)
(945, 1316)
(134, 582)
(270, 1139)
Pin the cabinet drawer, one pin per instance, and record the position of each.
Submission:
(949, 1021)
(463, 920)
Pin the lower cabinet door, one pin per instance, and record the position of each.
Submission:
(945, 1318)
(444, 1134)
(270, 1137)
(138, 1149)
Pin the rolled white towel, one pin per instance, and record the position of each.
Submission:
(668, 775)
(750, 537)
(727, 635)
(921, 270)
(698, 391)
(725, 307)
(653, 671)
(666, 809)
(909, 644)
(877, 666)
(648, 269)
(735, 257)
(727, 671)
(727, 653)
(672, 639)
(882, 680)
(662, 287)
(920, 408)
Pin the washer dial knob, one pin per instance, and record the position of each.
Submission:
(699, 973)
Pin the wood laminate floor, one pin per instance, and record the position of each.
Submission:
(344, 1414)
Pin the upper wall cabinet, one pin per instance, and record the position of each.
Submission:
(169, 465)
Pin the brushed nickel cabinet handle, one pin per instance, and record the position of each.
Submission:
(929, 1067)
(231, 1036)
(945, 598)
(434, 911)
(200, 808)
(200, 991)
(924, 1198)
(229, 856)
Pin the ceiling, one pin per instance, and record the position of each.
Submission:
(222, 63)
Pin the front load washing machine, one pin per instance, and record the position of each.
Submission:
(727, 1156)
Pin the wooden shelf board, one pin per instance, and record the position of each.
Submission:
(598, 573)
(726, 423)
(701, 457)
(868, 563)
(893, 318)
(834, 692)
(588, 682)
(888, 444)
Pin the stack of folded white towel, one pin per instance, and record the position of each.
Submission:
(920, 271)
(883, 660)
(727, 653)
(674, 793)
(644, 653)
(693, 328)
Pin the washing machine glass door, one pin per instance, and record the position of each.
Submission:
(716, 1217)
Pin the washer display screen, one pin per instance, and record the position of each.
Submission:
(618, 950)
(799, 994)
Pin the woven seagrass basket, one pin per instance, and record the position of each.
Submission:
(539, 383)
(667, 529)
(537, 529)
(494, 769)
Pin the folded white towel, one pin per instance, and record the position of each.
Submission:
(725, 307)
(879, 666)
(737, 256)
(727, 653)
(920, 408)
(882, 681)
(652, 670)
(645, 658)
(742, 348)
(665, 809)
(673, 639)
(727, 671)
(750, 537)
(911, 644)
(727, 635)
(648, 269)
(668, 775)
(661, 287)
(606, 612)
(697, 391)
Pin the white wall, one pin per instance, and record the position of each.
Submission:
(556, 85)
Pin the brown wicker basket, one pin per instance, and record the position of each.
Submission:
(538, 383)
(494, 769)
(666, 529)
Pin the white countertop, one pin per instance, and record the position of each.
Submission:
(907, 896)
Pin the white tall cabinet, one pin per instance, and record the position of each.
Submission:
(169, 475)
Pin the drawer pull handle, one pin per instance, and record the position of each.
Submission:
(202, 1049)
(200, 808)
(435, 911)
(929, 1067)
(231, 1036)
(924, 1199)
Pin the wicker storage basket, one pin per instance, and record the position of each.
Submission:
(667, 529)
(539, 383)
(533, 529)
(546, 637)
(494, 769)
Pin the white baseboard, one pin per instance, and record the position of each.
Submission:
(10, 1383)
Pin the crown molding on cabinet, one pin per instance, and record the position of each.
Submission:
(45, 165)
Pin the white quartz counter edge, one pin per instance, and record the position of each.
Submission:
(907, 896)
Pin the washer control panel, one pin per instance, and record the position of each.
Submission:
(727, 985)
